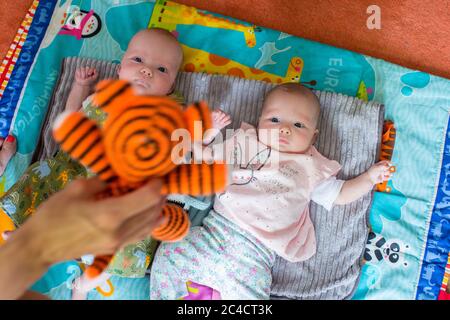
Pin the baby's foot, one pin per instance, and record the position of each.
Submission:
(220, 120)
(9, 147)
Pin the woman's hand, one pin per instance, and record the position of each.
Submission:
(73, 222)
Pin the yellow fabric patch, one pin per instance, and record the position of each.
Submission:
(6, 224)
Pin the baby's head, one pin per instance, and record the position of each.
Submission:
(151, 62)
(292, 111)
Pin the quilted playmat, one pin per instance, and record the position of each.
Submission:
(409, 252)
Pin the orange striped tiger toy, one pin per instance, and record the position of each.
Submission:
(134, 146)
(387, 150)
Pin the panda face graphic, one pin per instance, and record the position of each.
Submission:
(391, 251)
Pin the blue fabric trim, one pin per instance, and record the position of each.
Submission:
(438, 241)
(36, 33)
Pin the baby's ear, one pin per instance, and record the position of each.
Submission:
(172, 89)
(316, 134)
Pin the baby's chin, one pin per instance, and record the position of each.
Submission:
(281, 147)
(141, 90)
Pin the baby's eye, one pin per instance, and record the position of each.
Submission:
(274, 119)
(299, 125)
(137, 59)
(162, 69)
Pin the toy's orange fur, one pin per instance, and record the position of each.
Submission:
(134, 146)
(387, 149)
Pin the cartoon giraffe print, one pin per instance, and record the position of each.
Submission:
(166, 15)
(201, 61)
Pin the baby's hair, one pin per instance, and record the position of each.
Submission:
(294, 87)
(163, 31)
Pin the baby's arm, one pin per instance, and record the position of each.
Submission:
(220, 120)
(354, 189)
(82, 87)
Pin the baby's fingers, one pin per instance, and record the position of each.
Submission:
(84, 73)
(385, 163)
(92, 72)
(386, 175)
(227, 120)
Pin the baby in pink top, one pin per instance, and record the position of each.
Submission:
(276, 172)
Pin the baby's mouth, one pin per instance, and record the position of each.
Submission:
(141, 83)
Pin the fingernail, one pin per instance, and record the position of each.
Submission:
(10, 138)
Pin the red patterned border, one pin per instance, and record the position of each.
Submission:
(8, 63)
(444, 294)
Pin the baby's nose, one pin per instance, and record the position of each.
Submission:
(146, 72)
(285, 131)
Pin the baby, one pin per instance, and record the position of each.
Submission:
(265, 210)
(150, 63)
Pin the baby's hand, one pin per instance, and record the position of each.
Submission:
(86, 76)
(381, 171)
(220, 119)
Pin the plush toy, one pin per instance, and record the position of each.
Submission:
(135, 145)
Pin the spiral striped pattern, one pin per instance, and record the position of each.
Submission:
(138, 141)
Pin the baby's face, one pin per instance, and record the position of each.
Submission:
(291, 116)
(151, 63)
